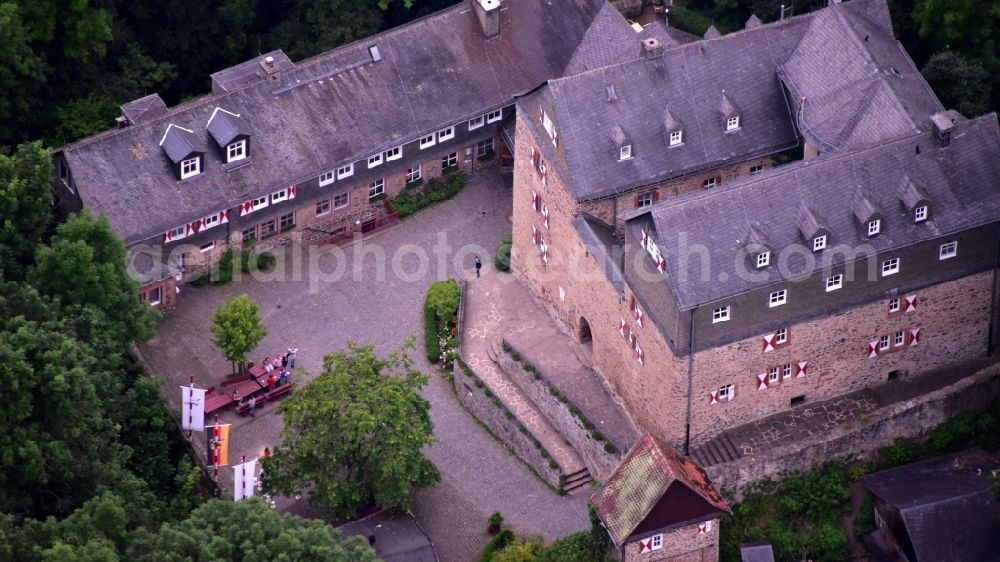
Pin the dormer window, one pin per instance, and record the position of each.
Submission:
(676, 138)
(190, 167)
(550, 128)
(915, 199)
(819, 243)
(427, 142)
(763, 259)
(476, 122)
(874, 227)
(326, 178)
(394, 153)
(374, 161)
(920, 214)
(236, 151)
(345, 171)
(730, 113)
(733, 123)
(446, 134)
(625, 152)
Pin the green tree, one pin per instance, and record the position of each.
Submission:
(959, 84)
(354, 436)
(247, 530)
(84, 268)
(237, 329)
(21, 74)
(25, 201)
(443, 298)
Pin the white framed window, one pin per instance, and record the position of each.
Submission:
(676, 138)
(494, 116)
(883, 343)
(345, 171)
(900, 338)
(835, 282)
(447, 133)
(210, 221)
(727, 392)
(657, 541)
(287, 221)
(449, 160)
(427, 142)
(268, 229)
(250, 234)
(323, 208)
(819, 243)
(190, 167)
(236, 151)
(394, 153)
(476, 122)
(763, 259)
(326, 178)
(279, 196)
(920, 214)
(207, 247)
(772, 374)
(721, 314)
(733, 123)
(756, 170)
(258, 203)
(781, 336)
(778, 298)
(342, 200)
(948, 250)
(894, 305)
(376, 188)
(890, 267)
(413, 174)
(644, 200)
(374, 161)
(154, 296)
(177, 233)
(874, 227)
(709, 183)
(625, 152)
(548, 125)
(786, 371)
(484, 147)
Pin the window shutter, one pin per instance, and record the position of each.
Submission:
(645, 545)
(801, 369)
(914, 336)
(713, 397)
(911, 303)
(534, 235)
(246, 208)
(656, 195)
(873, 349)
(291, 192)
(635, 201)
(643, 238)
(661, 266)
(762, 381)
(224, 215)
(166, 236)
(555, 138)
(545, 218)
(638, 315)
(621, 327)
(534, 200)
(768, 343)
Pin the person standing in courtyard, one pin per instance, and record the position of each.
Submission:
(253, 407)
(479, 265)
(293, 352)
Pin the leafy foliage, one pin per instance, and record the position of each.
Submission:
(959, 84)
(25, 200)
(432, 340)
(412, 199)
(443, 297)
(237, 329)
(354, 435)
(501, 258)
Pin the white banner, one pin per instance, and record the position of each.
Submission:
(193, 411)
(245, 480)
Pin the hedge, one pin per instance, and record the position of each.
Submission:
(501, 259)
(412, 200)
(431, 334)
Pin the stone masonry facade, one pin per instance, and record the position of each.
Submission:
(691, 543)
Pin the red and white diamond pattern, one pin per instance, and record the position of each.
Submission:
(769, 343)
(911, 303)
(246, 208)
(645, 545)
(713, 397)
(621, 328)
(762, 381)
(637, 313)
(914, 336)
(801, 369)
(873, 349)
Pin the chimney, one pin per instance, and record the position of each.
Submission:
(651, 48)
(943, 124)
(488, 14)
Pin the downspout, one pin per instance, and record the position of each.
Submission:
(687, 427)
(991, 347)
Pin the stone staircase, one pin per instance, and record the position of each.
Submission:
(718, 450)
(576, 482)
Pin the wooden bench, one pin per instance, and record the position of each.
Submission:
(215, 402)
(278, 391)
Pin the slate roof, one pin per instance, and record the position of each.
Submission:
(852, 84)
(144, 108)
(605, 248)
(756, 552)
(180, 143)
(642, 478)
(398, 537)
(145, 268)
(331, 109)
(225, 127)
(960, 183)
(688, 81)
(946, 505)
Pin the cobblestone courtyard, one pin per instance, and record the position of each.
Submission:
(320, 315)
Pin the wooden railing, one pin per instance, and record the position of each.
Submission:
(374, 224)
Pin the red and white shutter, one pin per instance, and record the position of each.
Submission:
(224, 216)
(801, 369)
(911, 303)
(643, 238)
(713, 397)
(167, 237)
(291, 192)
(534, 199)
(638, 315)
(246, 208)
(762, 381)
(639, 355)
(914, 336)
(544, 171)
(704, 527)
(645, 545)
(545, 217)
(534, 234)
(621, 328)
(873, 349)
(555, 138)
(769, 343)
(660, 264)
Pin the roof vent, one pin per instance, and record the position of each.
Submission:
(651, 48)
(943, 122)
(373, 51)
(269, 61)
(142, 110)
(753, 22)
(712, 33)
(488, 14)
(612, 95)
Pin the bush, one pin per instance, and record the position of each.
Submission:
(199, 280)
(553, 464)
(497, 543)
(431, 334)
(501, 258)
(224, 269)
(442, 297)
(496, 519)
(609, 448)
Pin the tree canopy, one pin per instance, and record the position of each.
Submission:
(25, 200)
(237, 329)
(354, 436)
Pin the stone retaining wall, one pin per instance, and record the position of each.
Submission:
(599, 462)
(860, 441)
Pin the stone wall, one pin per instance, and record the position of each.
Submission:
(684, 544)
(491, 413)
(860, 441)
(599, 462)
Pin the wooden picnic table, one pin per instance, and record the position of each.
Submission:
(243, 407)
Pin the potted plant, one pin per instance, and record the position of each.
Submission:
(495, 521)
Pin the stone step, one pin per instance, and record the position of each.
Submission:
(732, 453)
(583, 474)
(576, 481)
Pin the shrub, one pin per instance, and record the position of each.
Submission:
(431, 334)
(609, 448)
(553, 464)
(488, 393)
(442, 297)
(496, 519)
(544, 453)
(521, 428)
(479, 383)
(224, 268)
(497, 543)
(415, 183)
(501, 258)
(508, 415)
(199, 280)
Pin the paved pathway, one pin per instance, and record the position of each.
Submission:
(479, 476)
(498, 307)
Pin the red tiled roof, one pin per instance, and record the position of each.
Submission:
(635, 487)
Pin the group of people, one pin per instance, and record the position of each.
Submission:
(277, 369)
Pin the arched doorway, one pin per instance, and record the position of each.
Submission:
(585, 337)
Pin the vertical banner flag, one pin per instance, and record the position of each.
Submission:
(218, 445)
(193, 415)
(244, 482)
